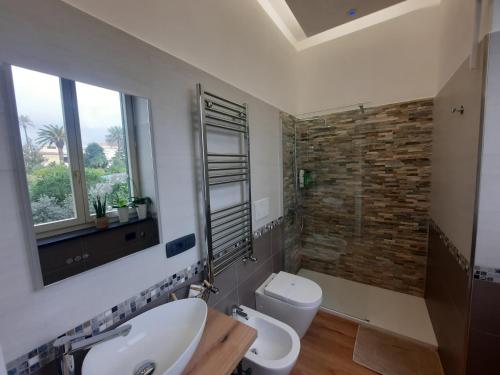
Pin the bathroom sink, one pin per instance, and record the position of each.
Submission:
(165, 338)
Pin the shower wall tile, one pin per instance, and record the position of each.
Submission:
(291, 215)
(366, 213)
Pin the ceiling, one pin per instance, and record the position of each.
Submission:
(316, 16)
(308, 23)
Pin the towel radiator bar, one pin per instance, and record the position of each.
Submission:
(228, 230)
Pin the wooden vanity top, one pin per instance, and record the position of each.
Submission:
(223, 344)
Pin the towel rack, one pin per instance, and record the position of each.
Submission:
(228, 229)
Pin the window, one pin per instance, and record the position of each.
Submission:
(76, 146)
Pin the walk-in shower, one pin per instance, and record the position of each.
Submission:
(363, 215)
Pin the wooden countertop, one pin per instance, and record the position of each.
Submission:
(223, 344)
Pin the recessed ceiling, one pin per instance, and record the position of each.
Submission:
(316, 16)
(308, 23)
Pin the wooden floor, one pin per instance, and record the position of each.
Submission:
(327, 348)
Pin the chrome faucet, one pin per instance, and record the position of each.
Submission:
(70, 347)
(236, 310)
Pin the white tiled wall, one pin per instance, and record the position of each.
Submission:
(488, 225)
(55, 38)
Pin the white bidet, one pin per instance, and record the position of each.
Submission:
(276, 348)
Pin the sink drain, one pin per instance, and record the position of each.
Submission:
(145, 368)
(254, 351)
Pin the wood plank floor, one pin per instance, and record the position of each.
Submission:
(327, 348)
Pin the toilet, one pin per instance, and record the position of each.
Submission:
(292, 299)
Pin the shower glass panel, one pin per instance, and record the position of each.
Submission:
(356, 199)
(332, 152)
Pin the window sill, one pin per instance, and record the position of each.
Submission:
(85, 232)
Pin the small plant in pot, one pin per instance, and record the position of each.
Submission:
(101, 220)
(141, 205)
(121, 204)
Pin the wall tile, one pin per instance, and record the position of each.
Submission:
(365, 215)
(246, 289)
(447, 301)
(485, 307)
(483, 353)
(278, 264)
(277, 240)
(225, 282)
(225, 304)
(262, 251)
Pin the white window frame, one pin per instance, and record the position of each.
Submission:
(83, 217)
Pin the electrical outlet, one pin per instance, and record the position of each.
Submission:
(180, 245)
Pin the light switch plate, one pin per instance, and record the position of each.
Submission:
(261, 208)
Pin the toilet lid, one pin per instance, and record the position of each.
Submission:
(295, 290)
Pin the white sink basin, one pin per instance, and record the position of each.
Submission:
(167, 336)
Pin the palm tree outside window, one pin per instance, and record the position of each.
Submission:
(75, 145)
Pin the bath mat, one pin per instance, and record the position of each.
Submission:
(389, 354)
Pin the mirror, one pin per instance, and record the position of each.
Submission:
(89, 180)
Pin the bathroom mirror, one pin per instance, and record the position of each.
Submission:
(87, 175)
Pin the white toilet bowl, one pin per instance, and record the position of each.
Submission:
(276, 348)
(291, 299)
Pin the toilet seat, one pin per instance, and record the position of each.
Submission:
(294, 290)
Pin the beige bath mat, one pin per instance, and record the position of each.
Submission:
(393, 355)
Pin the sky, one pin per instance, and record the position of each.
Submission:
(38, 96)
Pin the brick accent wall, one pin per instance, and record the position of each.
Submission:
(366, 214)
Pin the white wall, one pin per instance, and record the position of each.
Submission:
(487, 244)
(238, 42)
(495, 22)
(235, 40)
(456, 32)
(3, 371)
(390, 62)
(55, 38)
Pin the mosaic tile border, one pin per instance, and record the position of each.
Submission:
(32, 362)
(255, 235)
(461, 260)
(267, 227)
(487, 274)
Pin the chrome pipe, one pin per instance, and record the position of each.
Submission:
(228, 175)
(231, 240)
(214, 155)
(218, 225)
(224, 127)
(228, 182)
(227, 214)
(225, 100)
(228, 208)
(228, 262)
(219, 112)
(226, 169)
(215, 233)
(217, 118)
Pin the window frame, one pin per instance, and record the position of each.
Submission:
(71, 122)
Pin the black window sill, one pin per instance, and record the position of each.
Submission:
(42, 242)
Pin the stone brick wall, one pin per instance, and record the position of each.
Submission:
(291, 208)
(366, 214)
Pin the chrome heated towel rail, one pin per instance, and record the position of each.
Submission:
(228, 229)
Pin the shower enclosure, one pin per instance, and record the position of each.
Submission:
(364, 216)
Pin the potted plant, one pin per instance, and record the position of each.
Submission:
(141, 206)
(121, 204)
(101, 220)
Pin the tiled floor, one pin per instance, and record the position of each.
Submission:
(327, 348)
(395, 312)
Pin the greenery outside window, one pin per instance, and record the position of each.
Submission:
(78, 143)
